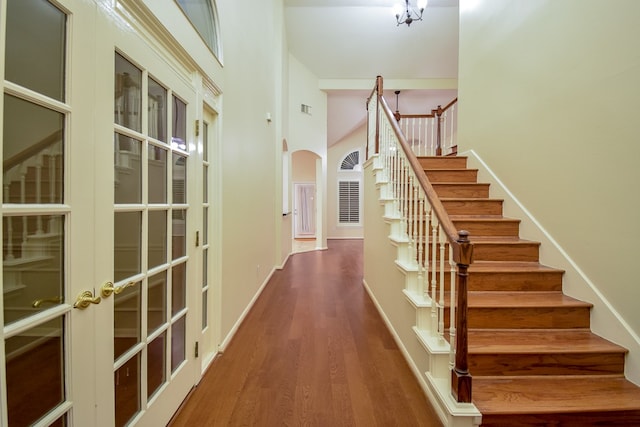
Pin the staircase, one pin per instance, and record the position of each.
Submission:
(533, 358)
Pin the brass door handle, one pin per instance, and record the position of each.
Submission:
(52, 300)
(85, 299)
(108, 288)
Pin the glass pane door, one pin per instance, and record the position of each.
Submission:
(42, 279)
(151, 260)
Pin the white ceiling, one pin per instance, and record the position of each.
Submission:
(359, 40)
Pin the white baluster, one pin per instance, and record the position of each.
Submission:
(421, 229)
(434, 263)
(452, 311)
(52, 177)
(39, 192)
(443, 242)
(9, 220)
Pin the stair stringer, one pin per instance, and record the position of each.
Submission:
(426, 353)
(605, 320)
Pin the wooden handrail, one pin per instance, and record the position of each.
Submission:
(462, 248)
(31, 150)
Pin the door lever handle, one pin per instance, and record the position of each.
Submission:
(85, 299)
(108, 288)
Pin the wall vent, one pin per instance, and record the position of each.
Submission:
(305, 109)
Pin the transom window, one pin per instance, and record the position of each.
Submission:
(203, 17)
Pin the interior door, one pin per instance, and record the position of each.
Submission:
(305, 210)
(208, 335)
(155, 227)
(49, 299)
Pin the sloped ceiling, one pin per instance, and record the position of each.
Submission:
(347, 43)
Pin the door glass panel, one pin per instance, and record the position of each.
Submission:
(128, 94)
(35, 46)
(178, 343)
(127, 385)
(35, 372)
(156, 355)
(128, 171)
(179, 122)
(157, 172)
(205, 262)
(179, 233)
(157, 251)
(178, 288)
(157, 111)
(205, 319)
(205, 225)
(127, 250)
(157, 302)
(179, 179)
(126, 320)
(32, 152)
(33, 267)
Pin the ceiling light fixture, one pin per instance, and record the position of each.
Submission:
(407, 14)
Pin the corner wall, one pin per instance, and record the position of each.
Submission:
(251, 146)
(548, 96)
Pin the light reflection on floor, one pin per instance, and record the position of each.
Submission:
(303, 245)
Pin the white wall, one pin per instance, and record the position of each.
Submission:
(549, 97)
(309, 132)
(356, 140)
(251, 174)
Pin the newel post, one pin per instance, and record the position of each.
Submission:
(460, 377)
(438, 114)
(378, 95)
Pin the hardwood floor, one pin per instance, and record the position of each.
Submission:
(313, 351)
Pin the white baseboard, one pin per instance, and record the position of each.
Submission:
(225, 342)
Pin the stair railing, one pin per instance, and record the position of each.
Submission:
(432, 134)
(427, 229)
(15, 170)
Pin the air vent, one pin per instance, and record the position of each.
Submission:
(305, 109)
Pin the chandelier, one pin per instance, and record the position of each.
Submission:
(407, 14)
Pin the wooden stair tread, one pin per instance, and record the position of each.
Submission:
(554, 394)
(501, 239)
(511, 267)
(534, 341)
(499, 299)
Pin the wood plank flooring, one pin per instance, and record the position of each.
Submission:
(313, 351)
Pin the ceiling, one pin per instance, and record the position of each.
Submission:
(347, 43)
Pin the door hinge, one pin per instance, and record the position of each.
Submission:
(197, 239)
(197, 352)
(197, 127)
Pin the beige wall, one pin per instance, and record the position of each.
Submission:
(549, 97)
(251, 202)
(303, 166)
(357, 140)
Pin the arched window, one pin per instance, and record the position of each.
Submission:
(349, 184)
(204, 18)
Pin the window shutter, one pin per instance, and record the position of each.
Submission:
(349, 202)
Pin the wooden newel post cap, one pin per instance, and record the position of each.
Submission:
(466, 247)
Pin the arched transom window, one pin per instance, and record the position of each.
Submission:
(203, 16)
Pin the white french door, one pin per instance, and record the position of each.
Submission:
(102, 287)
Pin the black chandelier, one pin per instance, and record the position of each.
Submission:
(407, 14)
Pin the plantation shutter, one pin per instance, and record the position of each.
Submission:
(349, 202)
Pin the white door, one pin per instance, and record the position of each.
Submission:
(100, 309)
(50, 299)
(208, 336)
(304, 210)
